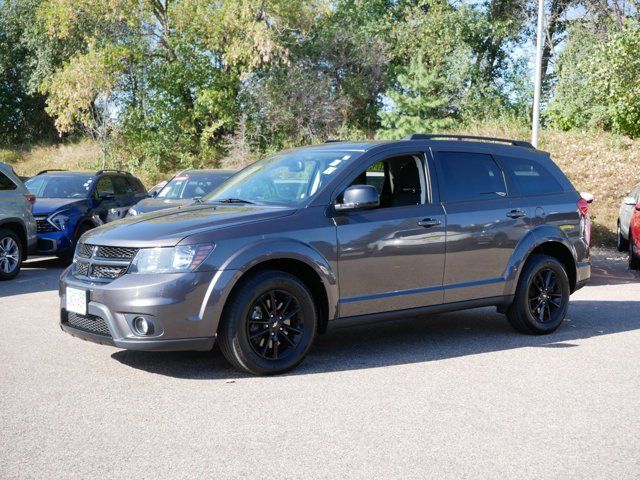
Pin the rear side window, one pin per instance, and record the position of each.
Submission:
(6, 183)
(136, 186)
(470, 176)
(121, 186)
(529, 177)
(104, 186)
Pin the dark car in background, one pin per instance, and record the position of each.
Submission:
(70, 203)
(336, 234)
(182, 189)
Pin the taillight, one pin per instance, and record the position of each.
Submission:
(31, 199)
(583, 206)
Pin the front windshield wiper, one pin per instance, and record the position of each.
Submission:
(234, 200)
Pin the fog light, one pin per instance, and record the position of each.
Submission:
(143, 326)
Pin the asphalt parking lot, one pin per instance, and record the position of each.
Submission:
(457, 395)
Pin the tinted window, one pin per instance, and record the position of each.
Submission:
(121, 186)
(529, 177)
(199, 184)
(6, 183)
(104, 186)
(136, 186)
(470, 176)
(59, 185)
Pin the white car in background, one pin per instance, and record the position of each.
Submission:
(624, 217)
(17, 225)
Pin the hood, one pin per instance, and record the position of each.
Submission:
(153, 204)
(165, 228)
(46, 206)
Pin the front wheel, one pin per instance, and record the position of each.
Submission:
(622, 244)
(269, 324)
(10, 254)
(542, 296)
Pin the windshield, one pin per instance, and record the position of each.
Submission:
(60, 186)
(288, 178)
(192, 184)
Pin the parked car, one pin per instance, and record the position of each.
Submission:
(71, 203)
(182, 189)
(17, 225)
(634, 238)
(263, 269)
(627, 207)
(153, 191)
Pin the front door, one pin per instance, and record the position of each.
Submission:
(392, 257)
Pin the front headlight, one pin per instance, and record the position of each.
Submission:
(59, 220)
(183, 258)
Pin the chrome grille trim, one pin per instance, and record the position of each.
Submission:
(102, 263)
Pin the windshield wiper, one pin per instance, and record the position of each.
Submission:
(235, 200)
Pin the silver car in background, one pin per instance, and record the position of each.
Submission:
(624, 217)
(17, 225)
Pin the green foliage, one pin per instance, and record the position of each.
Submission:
(419, 105)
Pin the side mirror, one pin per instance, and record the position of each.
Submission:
(359, 197)
(629, 201)
(153, 194)
(588, 197)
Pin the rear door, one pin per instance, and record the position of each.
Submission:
(482, 226)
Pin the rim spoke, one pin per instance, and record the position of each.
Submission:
(541, 313)
(292, 329)
(291, 314)
(286, 304)
(286, 337)
(553, 302)
(274, 304)
(259, 334)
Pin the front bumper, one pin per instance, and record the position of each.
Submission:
(183, 309)
(52, 243)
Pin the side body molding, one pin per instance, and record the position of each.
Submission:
(259, 252)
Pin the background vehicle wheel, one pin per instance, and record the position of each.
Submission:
(622, 244)
(542, 296)
(268, 324)
(10, 254)
(634, 258)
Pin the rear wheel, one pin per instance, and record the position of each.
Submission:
(622, 244)
(10, 254)
(269, 324)
(634, 258)
(542, 296)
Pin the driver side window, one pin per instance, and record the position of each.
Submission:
(400, 180)
(104, 186)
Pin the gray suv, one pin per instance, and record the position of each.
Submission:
(17, 225)
(336, 234)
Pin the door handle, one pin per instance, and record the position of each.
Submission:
(429, 222)
(516, 213)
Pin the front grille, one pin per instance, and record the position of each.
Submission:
(107, 271)
(116, 252)
(89, 323)
(102, 263)
(43, 226)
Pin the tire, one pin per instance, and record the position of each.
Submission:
(11, 254)
(622, 244)
(634, 258)
(536, 288)
(246, 330)
(67, 256)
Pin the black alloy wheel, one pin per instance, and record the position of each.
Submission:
(275, 325)
(545, 297)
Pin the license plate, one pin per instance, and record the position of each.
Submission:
(76, 301)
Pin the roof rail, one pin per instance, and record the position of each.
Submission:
(435, 136)
(100, 172)
(332, 140)
(50, 170)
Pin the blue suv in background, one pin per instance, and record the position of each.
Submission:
(70, 203)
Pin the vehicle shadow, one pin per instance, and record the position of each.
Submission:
(408, 341)
(38, 274)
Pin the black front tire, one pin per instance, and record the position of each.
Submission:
(11, 254)
(540, 308)
(246, 315)
(634, 258)
(622, 244)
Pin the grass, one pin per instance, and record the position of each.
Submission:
(600, 163)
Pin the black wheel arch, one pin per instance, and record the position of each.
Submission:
(563, 254)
